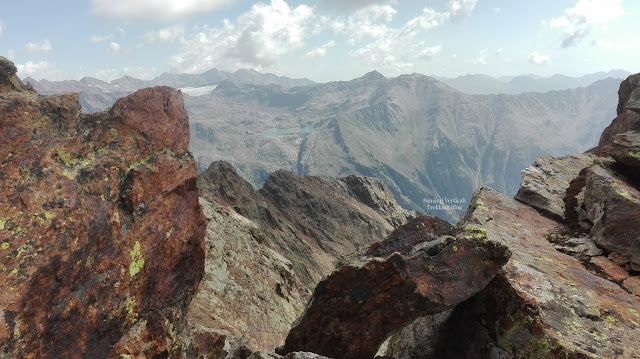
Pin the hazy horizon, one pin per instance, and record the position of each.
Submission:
(322, 40)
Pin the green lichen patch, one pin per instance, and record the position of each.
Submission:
(131, 314)
(137, 260)
(635, 155)
(65, 157)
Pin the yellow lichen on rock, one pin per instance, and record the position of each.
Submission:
(137, 260)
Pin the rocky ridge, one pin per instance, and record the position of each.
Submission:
(268, 248)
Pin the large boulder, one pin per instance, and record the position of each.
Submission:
(613, 206)
(625, 149)
(100, 228)
(544, 185)
(545, 304)
(432, 269)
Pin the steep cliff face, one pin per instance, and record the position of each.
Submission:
(101, 233)
(268, 248)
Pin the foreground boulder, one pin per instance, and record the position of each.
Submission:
(100, 228)
(545, 304)
(424, 267)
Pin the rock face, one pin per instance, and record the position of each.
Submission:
(613, 206)
(545, 304)
(625, 149)
(544, 184)
(424, 267)
(100, 227)
(267, 249)
(628, 118)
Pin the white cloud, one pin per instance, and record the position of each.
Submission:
(35, 70)
(168, 35)
(100, 38)
(1, 27)
(370, 22)
(497, 10)
(39, 47)
(258, 39)
(586, 15)
(350, 5)
(430, 52)
(114, 48)
(461, 9)
(602, 43)
(500, 51)
(322, 50)
(155, 10)
(537, 59)
(397, 48)
(482, 57)
(11, 55)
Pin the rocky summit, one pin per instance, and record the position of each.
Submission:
(112, 247)
(100, 228)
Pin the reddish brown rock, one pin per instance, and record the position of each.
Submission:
(84, 276)
(613, 206)
(545, 304)
(632, 285)
(357, 307)
(608, 269)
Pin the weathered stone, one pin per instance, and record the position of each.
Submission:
(625, 149)
(632, 285)
(582, 248)
(608, 269)
(545, 304)
(357, 307)
(544, 185)
(82, 275)
(618, 259)
(613, 206)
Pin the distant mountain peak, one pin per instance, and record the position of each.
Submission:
(373, 76)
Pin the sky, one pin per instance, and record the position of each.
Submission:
(323, 40)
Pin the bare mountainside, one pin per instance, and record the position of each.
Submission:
(426, 141)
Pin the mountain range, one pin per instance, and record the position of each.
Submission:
(484, 84)
(431, 144)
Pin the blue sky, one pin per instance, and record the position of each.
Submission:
(323, 40)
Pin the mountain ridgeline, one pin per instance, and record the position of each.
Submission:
(431, 144)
